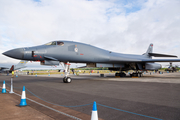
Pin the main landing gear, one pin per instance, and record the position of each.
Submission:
(121, 74)
(67, 79)
(136, 74)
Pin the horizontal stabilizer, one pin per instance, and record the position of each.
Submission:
(3, 68)
(160, 55)
(161, 60)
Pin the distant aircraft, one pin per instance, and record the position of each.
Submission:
(67, 52)
(20, 65)
(172, 67)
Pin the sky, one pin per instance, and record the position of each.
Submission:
(124, 26)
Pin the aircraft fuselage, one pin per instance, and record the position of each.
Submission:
(73, 52)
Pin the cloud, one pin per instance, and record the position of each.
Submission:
(120, 26)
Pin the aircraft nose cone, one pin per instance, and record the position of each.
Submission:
(15, 53)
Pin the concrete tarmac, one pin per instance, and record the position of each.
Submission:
(150, 97)
(9, 110)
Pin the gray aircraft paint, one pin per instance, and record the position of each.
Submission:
(75, 52)
(86, 53)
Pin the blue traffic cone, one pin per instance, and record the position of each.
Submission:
(4, 87)
(94, 115)
(23, 98)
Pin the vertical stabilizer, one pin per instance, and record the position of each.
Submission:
(12, 68)
(149, 50)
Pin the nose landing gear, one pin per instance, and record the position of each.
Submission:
(67, 79)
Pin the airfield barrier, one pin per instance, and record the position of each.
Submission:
(88, 105)
(77, 72)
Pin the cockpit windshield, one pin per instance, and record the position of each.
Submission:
(51, 43)
(55, 43)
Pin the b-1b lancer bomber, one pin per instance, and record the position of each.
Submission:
(66, 52)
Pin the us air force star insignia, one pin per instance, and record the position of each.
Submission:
(76, 49)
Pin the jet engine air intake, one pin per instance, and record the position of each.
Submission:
(49, 62)
(32, 53)
(91, 64)
(105, 65)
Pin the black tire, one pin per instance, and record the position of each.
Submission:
(135, 74)
(124, 75)
(121, 75)
(117, 74)
(64, 80)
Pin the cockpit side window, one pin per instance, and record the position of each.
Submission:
(51, 43)
(60, 43)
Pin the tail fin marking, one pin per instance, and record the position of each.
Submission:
(149, 50)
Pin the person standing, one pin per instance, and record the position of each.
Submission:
(12, 74)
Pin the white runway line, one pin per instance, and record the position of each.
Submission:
(49, 107)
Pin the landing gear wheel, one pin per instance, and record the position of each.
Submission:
(67, 80)
(136, 75)
(117, 74)
(64, 80)
(122, 74)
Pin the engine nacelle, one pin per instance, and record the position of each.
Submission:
(49, 62)
(152, 66)
(108, 65)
